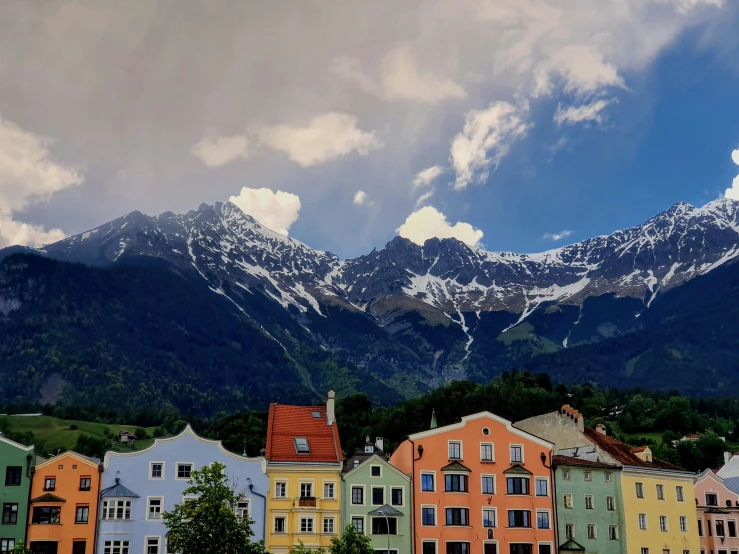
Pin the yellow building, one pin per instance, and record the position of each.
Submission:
(304, 462)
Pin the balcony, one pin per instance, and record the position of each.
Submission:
(307, 502)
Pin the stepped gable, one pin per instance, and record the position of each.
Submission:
(625, 454)
(286, 423)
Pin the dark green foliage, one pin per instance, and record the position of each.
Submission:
(92, 447)
(351, 542)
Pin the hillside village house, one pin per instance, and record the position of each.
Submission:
(304, 464)
(16, 462)
(64, 504)
(479, 486)
(139, 486)
(718, 514)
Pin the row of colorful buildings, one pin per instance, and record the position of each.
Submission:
(483, 485)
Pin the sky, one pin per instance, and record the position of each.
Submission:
(512, 125)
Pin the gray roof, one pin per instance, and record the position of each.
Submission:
(118, 491)
(385, 510)
(732, 483)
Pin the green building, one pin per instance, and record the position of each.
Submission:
(376, 500)
(590, 515)
(16, 461)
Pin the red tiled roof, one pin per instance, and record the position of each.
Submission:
(638, 449)
(288, 422)
(570, 461)
(624, 454)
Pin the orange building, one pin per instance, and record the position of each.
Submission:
(480, 486)
(64, 505)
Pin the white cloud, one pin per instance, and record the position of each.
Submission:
(214, 150)
(557, 236)
(428, 222)
(585, 112)
(325, 138)
(735, 156)
(28, 175)
(425, 196)
(733, 191)
(427, 176)
(275, 210)
(360, 197)
(582, 68)
(485, 140)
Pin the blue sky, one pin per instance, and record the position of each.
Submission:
(561, 119)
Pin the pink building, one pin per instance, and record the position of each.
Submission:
(718, 515)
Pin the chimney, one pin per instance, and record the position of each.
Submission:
(379, 443)
(330, 408)
(727, 457)
(601, 428)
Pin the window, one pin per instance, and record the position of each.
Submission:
(516, 454)
(457, 516)
(458, 548)
(356, 463)
(279, 525)
(545, 548)
(588, 476)
(301, 445)
(700, 527)
(328, 490)
(684, 524)
(358, 524)
(7, 545)
(10, 514)
(429, 547)
(519, 518)
(568, 501)
(588, 502)
(155, 508)
(520, 548)
(613, 532)
(518, 485)
(242, 509)
(711, 499)
(306, 524)
(369, 449)
(732, 528)
(380, 526)
(328, 525)
(184, 471)
(396, 497)
(642, 521)
(46, 515)
(680, 495)
(156, 470)
(13, 476)
(660, 492)
(455, 450)
(378, 496)
(608, 476)
(82, 514)
(542, 487)
(280, 490)
(570, 531)
(50, 484)
(376, 471)
(85, 483)
(152, 545)
(488, 518)
(116, 509)
(486, 452)
(357, 495)
(542, 520)
(427, 482)
(565, 474)
(720, 528)
(591, 530)
(644, 551)
(306, 490)
(639, 490)
(488, 485)
(115, 547)
(428, 515)
(455, 483)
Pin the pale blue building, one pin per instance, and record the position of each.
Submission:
(138, 486)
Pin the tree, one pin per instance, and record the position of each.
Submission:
(20, 548)
(208, 524)
(141, 434)
(351, 542)
(300, 548)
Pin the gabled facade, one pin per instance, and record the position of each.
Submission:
(718, 514)
(376, 500)
(304, 464)
(16, 462)
(63, 506)
(479, 486)
(139, 486)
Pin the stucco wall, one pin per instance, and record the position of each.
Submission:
(12, 455)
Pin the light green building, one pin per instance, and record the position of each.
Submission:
(376, 500)
(590, 515)
(16, 461)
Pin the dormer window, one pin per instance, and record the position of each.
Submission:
(301, 445)
(369, 449)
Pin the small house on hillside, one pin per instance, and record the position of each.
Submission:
(125, 436)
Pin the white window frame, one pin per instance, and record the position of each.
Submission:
(492, 509)
(608, 476)
(384, 494)
(588, 475)
(546, 480)
(639, 518)
(566, 475)
(565, 496)
(402, 489)
(637, 487)
(510, 453)
(351, 495)
(114, 502)
(595, 531)
(312, 483)
(333, 484)
(657, 488)
(549, 519)
(148, 510)
(461, 450)
(610, 500)
(614, 527)
(281, 482)
(364, 522)
(592, 502)
(683, 524)
(567, 526)
(177, 470)
(151, 469)
(159, 544)
(680, 493)
(436, 545)
(663, 519)
(436, 484)
(375, 476)
(312, 519)
(274, 524)
(495, 485)
(333, 525)
(492, 452)
(436, 515)
(542, 543)
(248, 506)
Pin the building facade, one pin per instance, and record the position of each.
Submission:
(718, 514)
(139, 486)
(377, 501)
(64, 503)
(304, 465)
(480, 486)
(16, 462)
